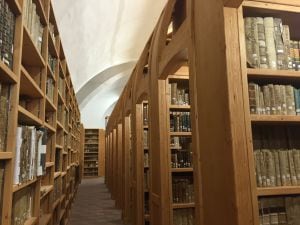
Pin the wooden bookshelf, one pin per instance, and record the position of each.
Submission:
(94, 153)
(32, 103)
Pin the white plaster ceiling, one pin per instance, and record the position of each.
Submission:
(102, 41)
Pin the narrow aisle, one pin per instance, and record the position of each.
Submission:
(93, 205)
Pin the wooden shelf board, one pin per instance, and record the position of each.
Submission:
(6, 155)
(180, 107)
(46, 189)
(49, 127)
(63, 174)
(6, 74)
(59, 125)
(31, 55)
(285, 190)
(28, 118)
(31, 221)
(50, 72)
(62, 214)
(28, 86)
(183, 205)
(181, 133)
(179, 77)
(55, 204)
(57, 174)
(45, 219)
(274, 119)
(50, 105)
(269, 73)
(49, 164)
(181, 170)
(14, 6)
(59, 146)
(17, 187)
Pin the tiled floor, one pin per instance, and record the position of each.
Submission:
(93, 205)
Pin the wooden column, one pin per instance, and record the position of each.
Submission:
(216, 87)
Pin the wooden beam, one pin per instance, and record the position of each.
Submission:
(233, 3)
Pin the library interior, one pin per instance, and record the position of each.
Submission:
(139, 112)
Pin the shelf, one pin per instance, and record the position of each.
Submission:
(59, 146)
(50, 72)
(46, 189)
(50, 107)
(6, 74)
(14, 6)
(17, 187)
(31, 221)
(52, 46)
(271, 191)
(180, 107)
(49, 127)
(273, 74)
(183, 205)
(59, 125)
(6, 155)
(57, 174)
(31, 56)
(181, 170)
(40, 11)
(55, 204)
(181, 133)
(49, 164)
(274, 119)
(63, 174)
(26, 117)
(28, 86)
(45, 219)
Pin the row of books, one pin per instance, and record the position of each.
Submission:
(23, 203)
(33, 23)
(277, 167)
(7, 31)
(181, 159)
(57, 189)
(183, 217)
(2, 174)
(146, 159)
(180, 122)
(269, 45)
(52, 61)
(50, 89)
(145, 114)
(181, 143)
(57, 160)
(274, 99)
(30, 158)
(31, 105)
(179, 95)
(279, 210)
(91, 164)
(4, 110)
(145, 139)
(183, 189)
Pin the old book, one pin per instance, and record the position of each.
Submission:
(267, 99)
(282, 220)
(286, 42)
(270, 43)
(278, 102)
(263, 60)
(297, 101)
(280, 50)
(292, 167)
(290, 100)
(2, 174)
(296, 158)
(277, 167)
(252, 98)
(272, 97)
(292, 205)
(174, 93)
(252, 45)
(283, 167)
(283, 100)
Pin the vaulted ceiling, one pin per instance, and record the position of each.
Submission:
(103, 40)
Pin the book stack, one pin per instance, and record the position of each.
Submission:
(276, 156)
(2, 170)
(30, 156)
(4, 109)
(22, 206)
(146, 159)
(145, 114)
(7, 32)
(179, 95)
(50, 89)
(279, 210)
(52, 61)
(183, 217)
(183, 189)
(269, 46)
(57, 160)
(180, 122)
(274, 99)
(60, 113)
(33, 23)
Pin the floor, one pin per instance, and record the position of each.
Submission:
(93, 205)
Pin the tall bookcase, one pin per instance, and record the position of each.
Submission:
(41, 173)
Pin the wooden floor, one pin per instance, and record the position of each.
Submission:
(93, 205)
